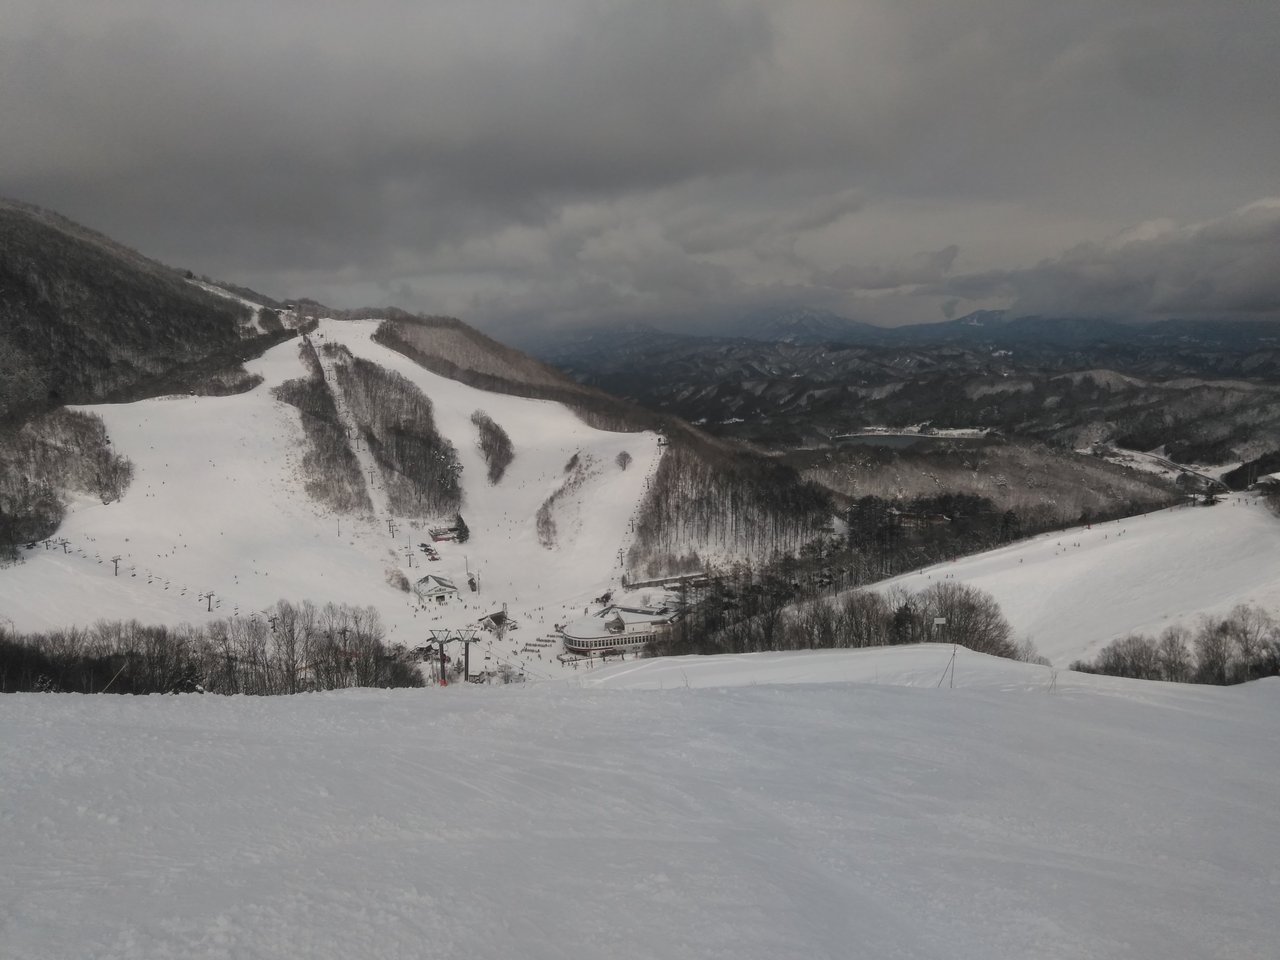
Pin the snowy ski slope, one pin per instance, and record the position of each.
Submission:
(1074, 591)
(217, 505)
(755, 815)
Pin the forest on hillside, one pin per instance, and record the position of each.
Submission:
(83, 319)
(44, 460)
(709, 502)
(331, 472)
(420, 468)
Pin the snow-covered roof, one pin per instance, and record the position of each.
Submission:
(432, 582)
(613, 620)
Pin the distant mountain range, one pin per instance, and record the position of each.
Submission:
(998, 328)
(793, 379)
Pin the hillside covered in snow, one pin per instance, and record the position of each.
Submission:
(824, 805)
(1073, 591)
(219, 506)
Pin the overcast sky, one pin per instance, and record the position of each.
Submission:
(550, 162)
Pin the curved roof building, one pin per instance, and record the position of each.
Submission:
(617, 628)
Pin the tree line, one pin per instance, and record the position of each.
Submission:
(711, 499)
(1244, 645)
(331, 472)
(759, 614)
(289, 648)
(43, 459)
(420, 468)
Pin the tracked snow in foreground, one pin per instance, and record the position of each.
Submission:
(1010, 817)
(217, 505)
(1074, 591)
(917, 665)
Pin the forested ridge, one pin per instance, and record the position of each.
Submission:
(45, 458)
(84, 319)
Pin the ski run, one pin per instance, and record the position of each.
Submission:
(809, 805)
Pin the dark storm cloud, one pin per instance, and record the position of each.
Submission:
(574, 160)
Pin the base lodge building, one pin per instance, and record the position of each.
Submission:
(617, 628)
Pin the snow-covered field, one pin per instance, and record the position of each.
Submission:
(217, 505)
(1074, 591)
(1017, 815)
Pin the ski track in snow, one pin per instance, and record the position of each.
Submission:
(755, 814)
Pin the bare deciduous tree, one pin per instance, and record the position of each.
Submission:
(287, 649)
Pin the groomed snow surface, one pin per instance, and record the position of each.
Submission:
(738, 807)
(1074, 591)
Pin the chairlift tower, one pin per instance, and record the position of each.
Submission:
(467, 637)
(442, 637)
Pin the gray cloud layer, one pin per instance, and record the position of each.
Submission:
(1226, 266)
(583, 160)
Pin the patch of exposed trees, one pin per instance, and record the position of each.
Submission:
(226, 382)
(42, 460)
(709, 498)
(494, 445)
(892, 536)
(420, 468)
(887, 537)
(578, 469)
(331, 472)
(1046, 487)
(289, 648)
(1244, 645)
(743, 614)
